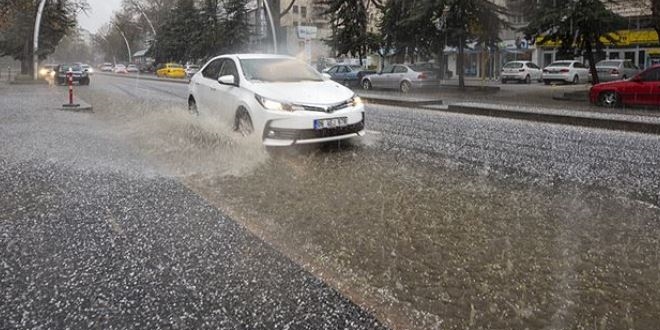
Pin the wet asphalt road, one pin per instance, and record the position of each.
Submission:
(93, 237)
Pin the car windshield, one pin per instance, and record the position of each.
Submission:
(513, 65)
(278, 70)
(178, 66)
(423, 67)
(66, 67)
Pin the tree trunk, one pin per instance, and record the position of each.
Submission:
(592, 63)
(459, 63)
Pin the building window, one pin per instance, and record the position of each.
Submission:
(295, 23)
(303, 11)
(295, 9)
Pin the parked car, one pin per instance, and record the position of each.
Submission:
(611, 70)
(565, 71)
(280, 99)
(348, 75)
(171, 70)
(106, 67)
(132, 68)
(119, 68)
(521, 71)
(403, 77)
(641, 89)
(78, 74)
(191, 69)
(47, 70)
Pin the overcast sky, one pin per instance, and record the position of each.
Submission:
(99, 14)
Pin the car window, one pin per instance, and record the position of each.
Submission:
(345, 69)
(387, 69)
(333, 69)
(400, 69)
(229, 68)
(513, 65)
(212, 70)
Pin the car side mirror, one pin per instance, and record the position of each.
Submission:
(227, 80)
(326, 76)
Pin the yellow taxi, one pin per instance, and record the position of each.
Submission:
(171, 70)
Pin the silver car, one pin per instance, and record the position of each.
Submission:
(403, 77)
(611, 70)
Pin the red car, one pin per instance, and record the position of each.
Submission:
(642, 89)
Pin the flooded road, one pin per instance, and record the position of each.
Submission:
(433, 220)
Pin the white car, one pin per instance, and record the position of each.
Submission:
(106, 67)
(132, 68)
(282, 100)
(521, 71)
(566, 71)
(119, 68)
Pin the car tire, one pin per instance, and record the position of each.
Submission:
(528, 80)
(576, 80)
(624, 77)
(503, 81)
(243, 122)
(366, 84)
(609, 99)
(192, 106)
(405, 87)
(547, 82)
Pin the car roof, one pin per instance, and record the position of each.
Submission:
(250, 56)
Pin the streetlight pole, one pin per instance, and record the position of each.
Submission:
(151, 25)
(128, 47)
(272, 25)
(35, 46)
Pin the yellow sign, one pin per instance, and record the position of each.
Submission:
(621, 37)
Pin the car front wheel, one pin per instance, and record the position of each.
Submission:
(366, 84)
(609, 99)
(243, 123)
(405, 87)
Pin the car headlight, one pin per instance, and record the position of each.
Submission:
(43, 72)
(356, 100)
(276, 105)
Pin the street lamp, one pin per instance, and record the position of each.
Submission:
(35, 48)
(272, 25)
(128, 47)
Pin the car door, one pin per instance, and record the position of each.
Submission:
(650, 87)
(333, 72)
(227, 96)
(398, 75)
(378, 79)
(205, 84)
(535, 71)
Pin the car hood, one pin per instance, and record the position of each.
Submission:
(308, 92)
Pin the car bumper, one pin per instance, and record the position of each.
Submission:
(285, 129)
(425, 83)
(609, 77)
(513, 76)
(557, 77)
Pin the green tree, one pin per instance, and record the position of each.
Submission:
(17, 19)
(349, 24)
(578, 25)
(178, 35)
(236, 25)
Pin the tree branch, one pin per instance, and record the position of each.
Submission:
(287, 8)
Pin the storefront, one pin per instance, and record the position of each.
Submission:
(639, 46)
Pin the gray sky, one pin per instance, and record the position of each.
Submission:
(99, 14)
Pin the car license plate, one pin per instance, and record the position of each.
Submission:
(330, 123)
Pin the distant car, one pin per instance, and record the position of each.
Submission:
(87, 68)
(565, 71)
(611, 70)
(191, 69)
(347, 75)
(642, 89)
(171, 70)
(521, 71)
(132, 68)
(47, 71)
(106, 67)
(403, 77)
(77, 72)
(280, 99)
(119, 68)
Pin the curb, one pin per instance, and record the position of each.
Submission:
(399, 102)
(572, 120)
(582, 96)
(82, 106)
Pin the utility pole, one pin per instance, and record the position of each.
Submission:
(128, 47)
(35, 46)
